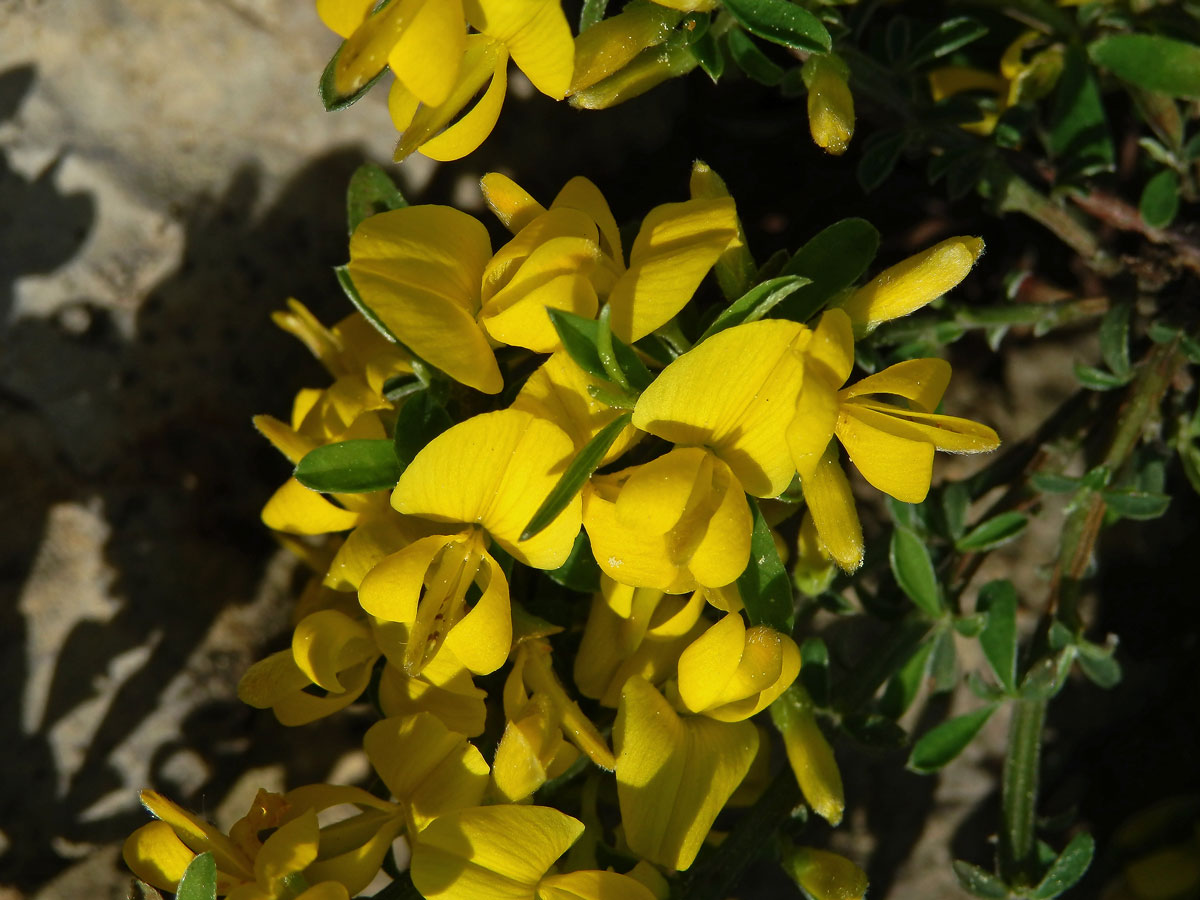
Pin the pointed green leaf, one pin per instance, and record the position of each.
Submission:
(1140, 505)
(1043, 680)
(1066, 871)
(420, 420)
(943, 663)
(955, 501)
(998, 640)
(943, 743)
(199, 881)
(371, 191)
(334, 101)
(755, 303)
(902, 689)
(1099, 664)
(1151, 62)
(943, 40)
(711, 55)
(1114, 338)
(814, 669)
(756, 64)
(580, 572)
(586, 462)
(765, 587)
(1099, 380)
(1160, 199)
(592, 12)
(781, 22)
(1053, 483)
(880, 154)
(914, 572)
(970, 626)
(832, 260)
(993, 532)
(350, 467)
(581, 338)
(979, 883)
(1079, 136)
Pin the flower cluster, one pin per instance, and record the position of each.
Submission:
(450, 61)
(540, 409)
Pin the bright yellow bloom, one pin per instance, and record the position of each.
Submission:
(508, 853)
(734, 394)
(912, 283)
(676, 523)
(825, 875)
(674, 774)
(613, 43)
(891, 445)
(674, 249)
(830, 104)
(731, 672)
(634, 632)
(809, 754)
(487, 475)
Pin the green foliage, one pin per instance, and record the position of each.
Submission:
(765, 586)
(913, 569)
(350, 467)
(1152, 62)
(781, 22)
(944, 742)
(199, 881)
(371, 191)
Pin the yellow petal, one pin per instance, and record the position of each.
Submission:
(329, 890)
(472, 128)
(482, 638)
(301, 707)
(551, 224)
(592, 885)
(676, 246)
(810, 755)
(353, 850)
(458, 704)
(553, 277)
(827, 876)
(509, 202)
(199, 835)
(950, 80)
(909, 285)
(377, 536)
(627, 555)
(581, 194)
(921, 381)
(525, 751)
(269, 680)
(157, 856)
(674, 775)
(888, 454)
(828, 360)
(537, 36)
(299, 322)
(827, 493)
(289, 849)
(328, 642)
(558, 392)
(297, 510)
(343, 16)
(731, 673)
(402, 106)
(831, 349)
(949, 433)
(420, 269)
(707, 665)
(495, 469)
(830, 105)
(491, 852)
(391, 589)
(365, 52)
(428, 768)
(426, 56)
(611, 44)
(284, 438)
(735, 393)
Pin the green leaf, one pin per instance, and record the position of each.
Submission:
(902, 689)
(943, 663)
(998, 640)
(1066, 871)
(992, 533)
(592, 12)
(814, 669)
(947, 740)
(1160, 199)
(1099, 380)
(1078, 134)
(970, 626)
(1151, 62)
(709, 52)
(943, 40)
(1042, 681)
(914, 572)
(1053, 483)
(751, 60)
(581, 338)
(331, 99)
(832, 260)
(1114, 338)
(875, 730)
(979, 883)
(420, 420)
(781, 22)
(199, 881)
(880, 154)
(1140, 505)
(371, 191)
(1099, 665)
(580, 572)
(586, 462)
(955, 501)
(755, 303)
(765, 587)
(350, 467)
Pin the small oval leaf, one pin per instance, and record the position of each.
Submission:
(1151, 62)
(765, 586)
(992, 533)
(1066, 871)
(998, 600)
(947, 740)
(781, 22)
(914, 572)
(350, 467)
(199, 881)
(371, 191)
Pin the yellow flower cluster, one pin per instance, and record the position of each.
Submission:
(411, 591)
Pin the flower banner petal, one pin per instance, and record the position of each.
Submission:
(921, 381)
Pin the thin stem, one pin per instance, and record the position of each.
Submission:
(1018, 846)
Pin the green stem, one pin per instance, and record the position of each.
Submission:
(714, 879)
(1018, 846)
(894, 651)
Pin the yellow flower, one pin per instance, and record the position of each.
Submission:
(508, 853)
(891, 445)
(731, 672)
(633, 632)
(486, 475)
(675, 247)
(826, 876)
(674, 774)
(676, 523)
(611, 44)
(809, 754)
(830, 104)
